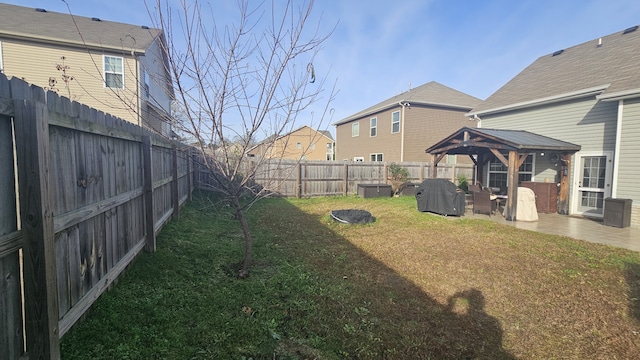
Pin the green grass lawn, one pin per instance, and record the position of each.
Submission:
(409, 286)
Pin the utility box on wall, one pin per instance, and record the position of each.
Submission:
(617, 212)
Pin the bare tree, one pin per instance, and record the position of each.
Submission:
(242, 81)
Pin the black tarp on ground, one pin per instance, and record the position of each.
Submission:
(440, 196)
(352, 216)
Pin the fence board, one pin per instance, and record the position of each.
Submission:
(10, 308)
(32, 144)
(333, 178)
(88, 221)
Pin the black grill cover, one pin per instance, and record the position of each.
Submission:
(440, 196)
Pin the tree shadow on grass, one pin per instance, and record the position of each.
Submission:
(366, 309)
(632, 276)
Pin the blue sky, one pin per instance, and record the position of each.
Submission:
(379, 47)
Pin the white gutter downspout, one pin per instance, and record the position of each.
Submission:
(616, 154)
(138, 106)
(402, 105)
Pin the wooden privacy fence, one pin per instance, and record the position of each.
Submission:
(293, 178)
(81, 194)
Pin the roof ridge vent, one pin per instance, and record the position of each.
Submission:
(557, 52)
(145, 27)
(95, 19)
(630, 30)
(41, 10)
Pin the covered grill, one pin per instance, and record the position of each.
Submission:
(440, 196)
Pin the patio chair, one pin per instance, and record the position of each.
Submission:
(482, 202)
(474, 188)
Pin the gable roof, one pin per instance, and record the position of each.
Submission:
(607, 66)
(474, 140)
(431, 93)
(51, 27)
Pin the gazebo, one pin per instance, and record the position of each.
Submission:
(481, 145)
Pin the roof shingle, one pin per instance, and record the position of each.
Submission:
(608, 64)
(24, 22)
(431, 93)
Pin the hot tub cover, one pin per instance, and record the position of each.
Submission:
(352, 216)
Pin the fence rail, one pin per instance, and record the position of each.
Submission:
(81, 194)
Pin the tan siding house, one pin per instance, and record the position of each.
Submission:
(114, 67)
(402, 127)
(304, 143)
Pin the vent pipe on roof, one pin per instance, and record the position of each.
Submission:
(600, 42)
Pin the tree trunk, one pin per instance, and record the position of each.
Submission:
(248, 240)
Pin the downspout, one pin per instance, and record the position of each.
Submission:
(138, 109)
(402, 105)
(616, 154)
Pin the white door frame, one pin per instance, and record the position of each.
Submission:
(577, 179)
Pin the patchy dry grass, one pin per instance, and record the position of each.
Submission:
(409, 286)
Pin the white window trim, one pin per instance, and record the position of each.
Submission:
(355, 129)
(358, 158)
(395, 122)
(532, 172)
(373, 128)
(376, 157)
(1, 61)
(299, 145)
(144, 76)
(104, 63)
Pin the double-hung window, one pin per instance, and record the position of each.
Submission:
(355, 129)
(376, 157)
(498, 173)
(395, 122)
(374, 127)
(113, 72)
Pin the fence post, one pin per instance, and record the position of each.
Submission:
(150, 244)
(299, 180)
(385, 174)
(345, 176)
(175, 196)
(40, 285)
(189, 174)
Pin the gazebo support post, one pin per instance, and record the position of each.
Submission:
(565, 177)
(512, 194)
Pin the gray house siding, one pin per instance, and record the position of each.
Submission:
(586, 122)
(628, 165)
(589, 123)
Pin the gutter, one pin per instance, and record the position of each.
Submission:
(392, 105)
(70, 43)
(620, 95)
(543, 101)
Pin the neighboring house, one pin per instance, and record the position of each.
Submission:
(588, 95)
(118, 68)
(303, 143)
(401, 127)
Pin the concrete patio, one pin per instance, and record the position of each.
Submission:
(575, 227)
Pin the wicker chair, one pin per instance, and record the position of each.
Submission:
(482, 202)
